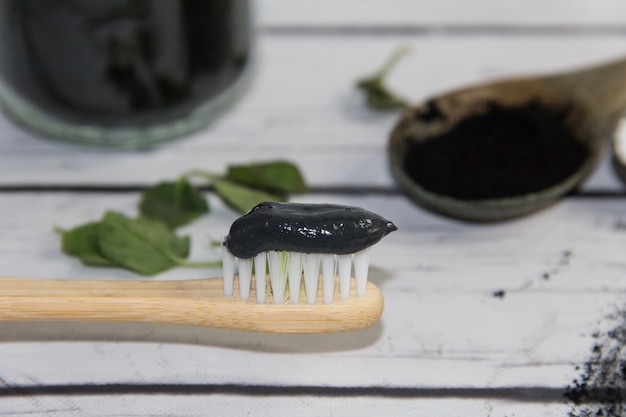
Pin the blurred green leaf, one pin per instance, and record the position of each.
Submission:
(279, 177)
(173, 203)
(82, 242)
(143, 245)
(379, 97)
(240, 197)
(377, 94)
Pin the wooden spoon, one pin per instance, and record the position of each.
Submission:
(191, 302)
(592, 100)
(619, 157)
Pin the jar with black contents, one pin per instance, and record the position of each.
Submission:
(122, 73)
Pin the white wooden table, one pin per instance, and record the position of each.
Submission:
(480, 320)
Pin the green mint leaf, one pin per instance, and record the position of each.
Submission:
(143, 245)
(377, 95)
(240, 197)
(82, 242)
(173, 203)
(276, 177)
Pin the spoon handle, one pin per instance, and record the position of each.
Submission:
(192, 302)
(601, 88)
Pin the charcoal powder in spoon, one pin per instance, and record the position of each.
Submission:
(503, 152)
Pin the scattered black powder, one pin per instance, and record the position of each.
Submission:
(563, 263)
(499, 293)
(601, 388)
(620, 225)
(505, 152)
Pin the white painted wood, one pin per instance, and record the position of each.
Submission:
(560, 271)
(443, 12)
(197, 406)
(442, 326)
(303, 107)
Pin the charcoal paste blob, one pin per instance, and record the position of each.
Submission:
(501, 153)
(310, 228)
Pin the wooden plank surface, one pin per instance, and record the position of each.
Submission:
(412, 13)
(480, 320)
(302, 109)
(196, 406)
(439, 279)
(445, 331)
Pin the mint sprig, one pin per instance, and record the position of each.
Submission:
(148, 244)
(141, 245)
(245, 186)
(241, 197)
(174, 203)
(278, 177)
(82, 242)
(377, 95)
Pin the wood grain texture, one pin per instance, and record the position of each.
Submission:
(307, 406)
(300, 110)
(189, 302)
(480, 320)
(403, 13)
(442, 327)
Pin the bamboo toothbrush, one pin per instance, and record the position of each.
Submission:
(294, 240)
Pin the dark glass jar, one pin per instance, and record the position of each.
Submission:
(123, 73)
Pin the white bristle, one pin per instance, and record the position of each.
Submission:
(361, 266)
(344, 265)
(277, 262)
(295, 276)
(260, 265)
(228, 269)
(328, 274)
(290, 267)
(245, 277)
(311, 267)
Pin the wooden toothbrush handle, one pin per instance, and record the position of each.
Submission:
(190, 302)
